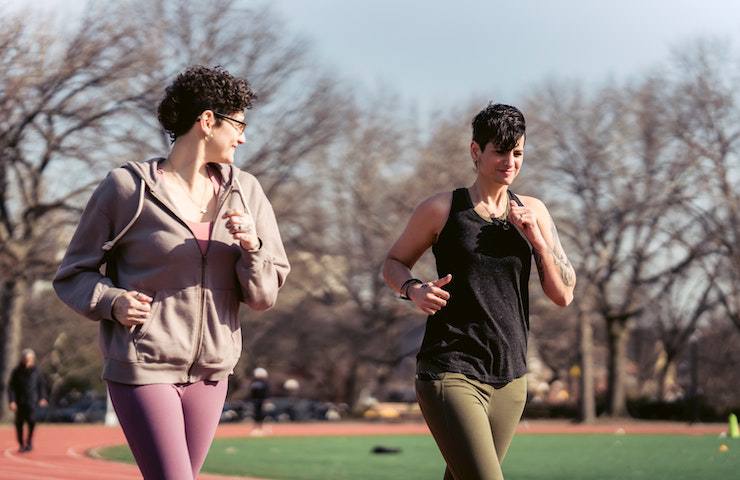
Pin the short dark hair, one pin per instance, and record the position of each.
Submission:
(201, 88)
(500, 124)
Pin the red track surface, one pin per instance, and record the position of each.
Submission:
(66, 452)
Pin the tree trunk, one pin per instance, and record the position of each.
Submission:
(381, 381)
(587, 401)
(350, 385)
(619, 334)
(12, 303)
(663, 375)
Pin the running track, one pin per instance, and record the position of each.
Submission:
(67, 452)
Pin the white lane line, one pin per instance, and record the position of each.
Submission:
(8, 453)
(78, 471)
(73, 453)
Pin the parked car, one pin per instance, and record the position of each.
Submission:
(235, 411)
(292, 409)
(281, 409)
(85, 410)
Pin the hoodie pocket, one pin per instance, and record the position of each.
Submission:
(168, 334)
(222, 334)
(115, 342)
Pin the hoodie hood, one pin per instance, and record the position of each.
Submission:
(147, 170)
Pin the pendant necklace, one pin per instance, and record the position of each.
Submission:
(502, 219)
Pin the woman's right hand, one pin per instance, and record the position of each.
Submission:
(429, 297)
(132, 308)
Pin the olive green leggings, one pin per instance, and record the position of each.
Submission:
(472, 422)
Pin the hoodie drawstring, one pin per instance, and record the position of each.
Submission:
(107, 246)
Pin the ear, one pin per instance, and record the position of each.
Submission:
(475, 150)
(475, 153)
(207, 121)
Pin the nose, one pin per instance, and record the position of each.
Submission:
(242, 138)
(510, 160)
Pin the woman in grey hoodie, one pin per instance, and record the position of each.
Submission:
(163, 255)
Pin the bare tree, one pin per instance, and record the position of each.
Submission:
(611, 157)
(363, 184)
(707, 123)
(58, 98)
(677, 313)
(299, 108)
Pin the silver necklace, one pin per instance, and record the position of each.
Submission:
(203, 205)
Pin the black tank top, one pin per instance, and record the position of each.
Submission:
(482, 332)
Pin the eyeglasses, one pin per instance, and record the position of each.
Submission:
(238, 124)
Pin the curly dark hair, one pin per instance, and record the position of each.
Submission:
(201, 88)
(500, 124)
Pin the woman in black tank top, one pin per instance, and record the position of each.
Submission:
(471, 367)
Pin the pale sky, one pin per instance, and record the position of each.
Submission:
(435, 53)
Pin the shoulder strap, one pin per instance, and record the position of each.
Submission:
(513, 196)
(460, 200)
(107, 246)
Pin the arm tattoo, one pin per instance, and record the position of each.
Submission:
(540, 266)
(567, 275)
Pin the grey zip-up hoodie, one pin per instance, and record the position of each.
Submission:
(193, 330)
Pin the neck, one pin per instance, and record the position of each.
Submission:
(187, 160)
(491, 193)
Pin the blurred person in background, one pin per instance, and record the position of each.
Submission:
(185, 239)
(259, 390)
(471, 366)
(26, 391)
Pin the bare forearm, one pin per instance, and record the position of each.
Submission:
(557, 275)
(395, 273)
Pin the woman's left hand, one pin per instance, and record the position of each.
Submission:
(525, 219)
(241, 227)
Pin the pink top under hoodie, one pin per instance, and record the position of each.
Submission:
(201, 230)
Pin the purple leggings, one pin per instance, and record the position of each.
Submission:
(169, 427)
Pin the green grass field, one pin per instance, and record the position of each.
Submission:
(531, 457)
